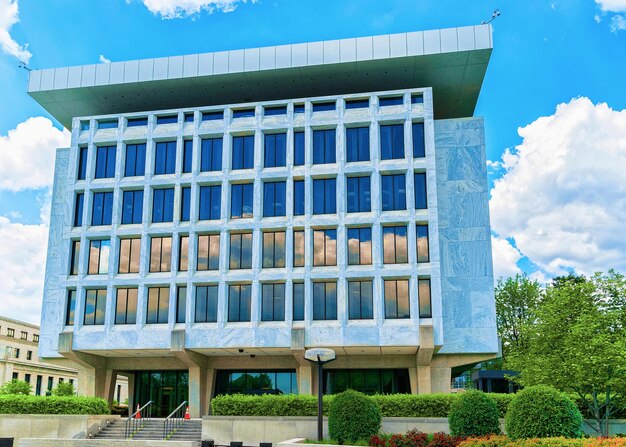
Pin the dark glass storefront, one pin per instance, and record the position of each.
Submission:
(368, 381)
(256, 382)
(168, 389)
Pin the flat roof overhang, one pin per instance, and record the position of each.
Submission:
(452, 61)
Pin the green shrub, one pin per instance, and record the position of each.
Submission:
(16, 387)
(542, 412)
(268, 405)
(353, 416)
(64, 389)
(15, 404)
(474, 414)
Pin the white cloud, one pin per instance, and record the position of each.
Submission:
(176, 9)
(104, 60)
(22, 263)
(8, 18)
(618, 23)
(505, 258)
(612, 5)
(562, 199)
(27, 153)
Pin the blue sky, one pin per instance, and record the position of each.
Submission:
(546, 54)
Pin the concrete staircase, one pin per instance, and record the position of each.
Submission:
(190, 430)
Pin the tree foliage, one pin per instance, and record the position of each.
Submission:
(16, 386)
(575, 341)
(516, 300)
(64, 389)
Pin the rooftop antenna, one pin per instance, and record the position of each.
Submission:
(23, 65)
(496, 14)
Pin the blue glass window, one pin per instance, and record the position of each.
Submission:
(421, 202)
(274, 199)
(275, 110)
(273, 302)
(357, 104)
(169, 119)
(275, 150)
(82, 163)
(393, 189)
(240, 251)
(84, 125)
(419, 148)
(70, 308)
(213, 116)
(274, 249)
(324, 146)
(324, 106)
(107, 124)
(298, 198)
(165, 158)
(298, 108)
(211, 155)
(189, 117)
(185, 204)
(239, 302)
(95, 307)
(417, 99)
(210, 202)
(158, 305)
(187, 156)
(163, 205)
(357, 144)
(423, 251)
(78, 209)
(206, 304)
(102, 208)
(324, 301)
(358, 197)
(359, 246)
(132, 207)
(243, 152)
(298, 148)
(391, 101)
(360, 300)
(397, 299)
(241, 199)
(243, 113)
(135, 160)
(298, 301)
(324, 196)
(395, 245)
(136, 122)
(105, 162)
(391, 141)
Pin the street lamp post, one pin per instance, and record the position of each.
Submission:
(319, 356)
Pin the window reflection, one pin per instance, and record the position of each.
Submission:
(239, 302)
(393, 192)
(324, 146)
(160, 254)
(391, 141)
(358, 144)
(158, 305)
(126, 306)
(423, 254)
(325, 300)
(360, 306)
(298, 248)
(183, 255)
(298, 301)
(424, 298)
(241, 251)
(95, 306)
(395, 245)
(208, 252)
(241, 201)
(397, 298)
(324, 247)
(275, 150)
(206, 304)
(99, 257)
(273, 302)
(130, 252)
(274, 249)
(359, 246)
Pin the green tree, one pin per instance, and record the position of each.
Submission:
(516, 300)
(16, 387)
(576, 341)
(64, 389)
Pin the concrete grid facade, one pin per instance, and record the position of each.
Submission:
(461, 329)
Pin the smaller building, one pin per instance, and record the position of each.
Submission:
(18, 360)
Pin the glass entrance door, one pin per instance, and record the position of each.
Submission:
(168, 389)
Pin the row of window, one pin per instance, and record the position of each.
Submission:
(23, 335)
(17, 351)
(249, 112)
(274, 151)
(272, 301)
(359, 250)
(358, 200)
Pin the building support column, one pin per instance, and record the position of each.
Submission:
(198, 365)
(423, 360)
(306, 374)
(131, 393)
(98, 382)
(210, 388)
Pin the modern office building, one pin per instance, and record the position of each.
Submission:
(217, 214)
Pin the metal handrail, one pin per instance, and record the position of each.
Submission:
(133, 423)
(174, 420)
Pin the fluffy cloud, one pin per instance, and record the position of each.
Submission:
(615, 7)
(104, 60)
(505, 258)
(22, 263)
(27, 153)
(176, 9)
(8, 18)
(562, 198)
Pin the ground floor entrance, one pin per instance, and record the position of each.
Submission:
(167, 389)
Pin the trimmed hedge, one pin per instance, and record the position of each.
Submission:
(474, 414)
(391, 405)
(19, 404)
(353, 416)
(541, 412)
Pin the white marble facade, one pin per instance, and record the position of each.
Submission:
(460, 269)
